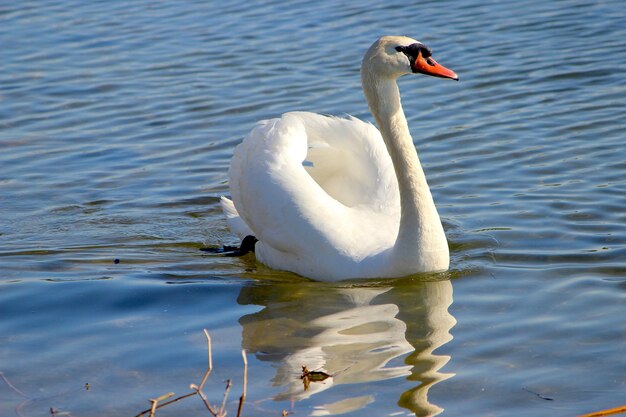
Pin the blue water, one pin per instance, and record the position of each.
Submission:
(117, 123)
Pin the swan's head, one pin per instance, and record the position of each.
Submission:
(394, 56)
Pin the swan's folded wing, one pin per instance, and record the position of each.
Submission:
(309, 181)
(349, 160)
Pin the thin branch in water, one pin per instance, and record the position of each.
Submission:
(155, 402)
(27, 400)
(6, 381)
(210, 353)
(608, 412)
(18, 409)
(229, 384)
(197, 389)
(204, 399)
(182, 397)
(245, 382)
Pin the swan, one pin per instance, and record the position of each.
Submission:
(333, 198)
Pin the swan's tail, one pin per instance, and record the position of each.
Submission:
(235, 222)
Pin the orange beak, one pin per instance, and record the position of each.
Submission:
(429, 66)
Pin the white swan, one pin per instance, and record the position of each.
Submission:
(332, 198)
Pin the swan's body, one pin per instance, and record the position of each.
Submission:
(331, 198)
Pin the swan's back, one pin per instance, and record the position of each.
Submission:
(318, 192)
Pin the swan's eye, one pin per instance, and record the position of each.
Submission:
(426, 52)
(414, 50)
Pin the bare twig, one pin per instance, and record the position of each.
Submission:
(205, 400)
(245, 382)
(226, 392)
(197, 389)
(27, 400)
(210, 353)
(156, 401)
(609, 412)
(18, 409)
(182, 397)
(6, 381)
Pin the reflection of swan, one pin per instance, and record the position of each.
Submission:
(428, 328)
(327, 199)
(351, 333)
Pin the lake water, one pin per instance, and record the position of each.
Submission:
(117, 123)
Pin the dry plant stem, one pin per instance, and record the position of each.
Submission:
(6, 381)
(210, 368)
(18, 409)
(609, 412)
(226, 392)
(156, 401)
(197, 389)
(245, 382)
(204, 399)
(182, 397)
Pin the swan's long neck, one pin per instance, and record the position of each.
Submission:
(421, 237)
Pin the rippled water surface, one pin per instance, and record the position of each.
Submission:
(117, 123)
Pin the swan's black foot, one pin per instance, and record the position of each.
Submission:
(247, 246)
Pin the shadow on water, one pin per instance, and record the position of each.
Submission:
(353, 334)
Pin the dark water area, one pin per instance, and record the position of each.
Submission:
(117, 124)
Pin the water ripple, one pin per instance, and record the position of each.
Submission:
(118, 121)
